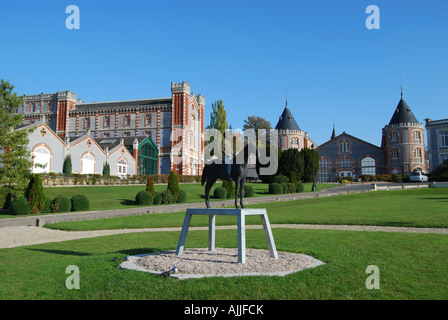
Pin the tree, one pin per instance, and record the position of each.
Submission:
(218, 121)
(106, 170)
(292, 161)
(67, 166)
(310, 155)
(173, 185)
(258, 165)
(256, 123)
(35, 194)
(218, 117)
(150, 186)
(14, 154)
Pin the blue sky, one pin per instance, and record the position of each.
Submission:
(249, 54)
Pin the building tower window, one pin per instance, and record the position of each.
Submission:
(368, 166)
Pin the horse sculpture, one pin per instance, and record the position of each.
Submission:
(238, 173)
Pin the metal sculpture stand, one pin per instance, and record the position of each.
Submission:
(241, 216)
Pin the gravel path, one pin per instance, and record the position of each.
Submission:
(27, 235)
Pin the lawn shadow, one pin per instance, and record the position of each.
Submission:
(127, 202)
(137, 251)
(62, 252)
(441, 199)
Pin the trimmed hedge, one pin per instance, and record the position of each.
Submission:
(157, 198)
(300, 187)
(80, 203)
(20, 206)
(285, 187)
(61, 204)
(248, 191)
(143, 198)
(167, 197)
(47, 207)
(275, 188)
(181, 196)
(280, 179)
(220, 193)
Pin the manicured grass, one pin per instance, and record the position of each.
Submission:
(120, 197)
(417, 208)
(412, 266)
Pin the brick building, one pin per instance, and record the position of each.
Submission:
(175, 124)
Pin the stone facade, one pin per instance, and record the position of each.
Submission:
(437, 135)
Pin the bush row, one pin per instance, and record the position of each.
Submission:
(145, 198)
(282, 188)
(222, 193)
(21, 206)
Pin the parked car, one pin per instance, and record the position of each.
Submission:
(418, 176)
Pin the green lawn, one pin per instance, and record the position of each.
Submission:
(412, 266)
(119, 197)
(417, 208)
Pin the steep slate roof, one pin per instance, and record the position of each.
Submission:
(403, 114)
(286, 120)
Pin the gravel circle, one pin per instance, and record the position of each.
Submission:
(194, 263)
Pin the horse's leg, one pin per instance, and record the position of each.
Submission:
(242, 191)
(237, 182)
(208, 187)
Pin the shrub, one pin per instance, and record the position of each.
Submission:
(293, 178)
(80, 203)
(106, 170)
(220, 193)
(20, 206)
(157, 198)
(167, 197)
(143, 198)
(275, 188)
(230, 188)
(248, 191)
(61, 204)
(35, 193)
(285, 187)
(150, 185)
(173, 185)
(281, 179)
(47, 207)
(67, 166)
(292, 187)
(299, 187)
(181, 197)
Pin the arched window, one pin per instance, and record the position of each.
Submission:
(345, 162)
(345, 147)
(394, 154)
(295, 143)
(368, 166)
(41, 160)
(393, 137)
(416, 137)
(88, 164)
(418, 155)
(323, 174)
(122, 167)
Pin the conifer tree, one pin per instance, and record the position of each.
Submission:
(15, 155)
(35, 194)
(173, 185)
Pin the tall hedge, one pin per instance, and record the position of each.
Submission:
(67, 166)
(35, 194)
(173, 185)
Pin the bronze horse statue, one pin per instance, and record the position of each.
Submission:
(238, 173)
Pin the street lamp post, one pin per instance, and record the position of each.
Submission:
(313, 188)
